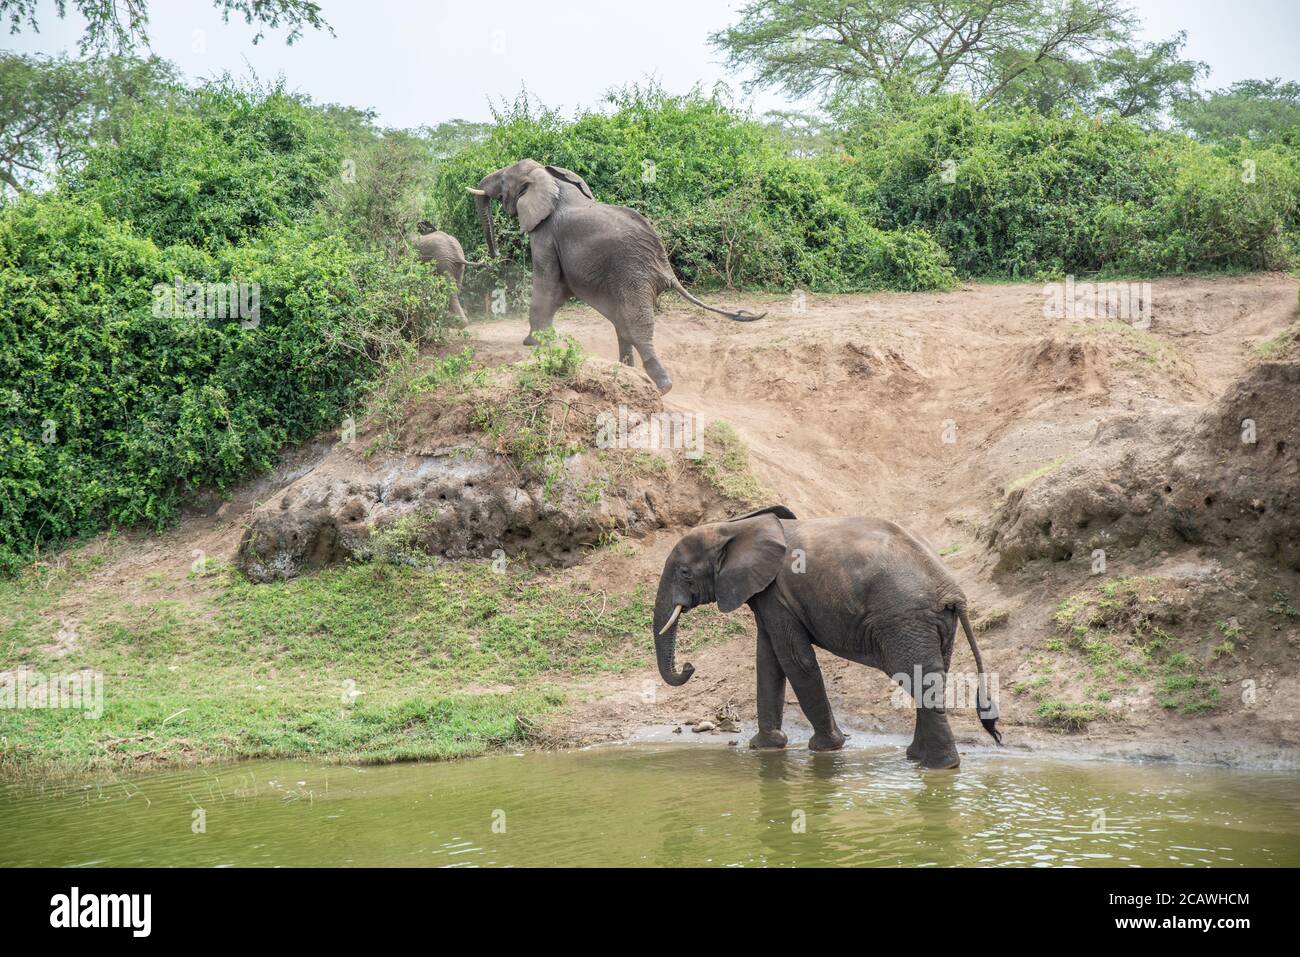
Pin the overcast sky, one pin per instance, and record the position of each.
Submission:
(420, 62)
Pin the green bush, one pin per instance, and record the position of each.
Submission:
(111, 412)
(116, 402)
(732, 206)
(1021, 194)
(226, 163)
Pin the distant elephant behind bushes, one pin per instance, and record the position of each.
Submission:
(445, 252)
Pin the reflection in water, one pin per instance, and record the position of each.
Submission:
(665, 805)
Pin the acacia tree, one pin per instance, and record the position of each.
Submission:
(999, 51)
(121, 25)
(1260, 110)
(52, 109)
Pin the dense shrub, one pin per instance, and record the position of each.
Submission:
(114, 404)
(1026, 194)
(111, 412)
(732, 206)
(224, 164)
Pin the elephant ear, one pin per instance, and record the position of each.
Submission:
(538, 200)
(751, 557)
(780, 511)
(569, 176)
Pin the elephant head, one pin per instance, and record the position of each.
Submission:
(725, 562)
(526, 189)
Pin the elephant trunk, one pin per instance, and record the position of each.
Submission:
(482, 203)
(667, 613)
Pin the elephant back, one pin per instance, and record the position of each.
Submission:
(439, 247)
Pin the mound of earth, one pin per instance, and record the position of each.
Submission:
(1229, 477)
(530, 460)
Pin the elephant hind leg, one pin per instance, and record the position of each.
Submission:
(624, 348)
(638, 323)
(916, 650)
(916, 750)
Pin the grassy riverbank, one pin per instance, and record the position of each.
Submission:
(368, 662)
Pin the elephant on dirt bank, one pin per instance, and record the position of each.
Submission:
(610, 257)
(862, 588)
(445, 252)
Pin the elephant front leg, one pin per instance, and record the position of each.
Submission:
(549, 294)
(771, 696)
(795, 653)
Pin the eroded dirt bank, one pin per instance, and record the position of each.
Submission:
(967, 417)
(935, 410)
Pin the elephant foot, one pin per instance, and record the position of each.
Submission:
(824, 742)
(769, 739)
(915, 752)
(941, 762)
(664, 385)
(530, 341)
(627, 360)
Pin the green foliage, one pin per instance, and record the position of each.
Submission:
(1258, 110)
(1069, 715)
(114, 402)
(725, 465)
(111, 412)
(52, 109)
(114, 26)
(227, 164)
(1049, 56)
(1019, 194)
(733, 207)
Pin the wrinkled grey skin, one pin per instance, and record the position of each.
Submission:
(445, 252)
(610, 257)
(861, 588)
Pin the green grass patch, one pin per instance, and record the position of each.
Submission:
(725, 465)
(1115, 631)
(370, 662)
(1036, 474)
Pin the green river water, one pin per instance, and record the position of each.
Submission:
(665, 805)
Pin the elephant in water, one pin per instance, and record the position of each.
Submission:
(862, 588)
(610, 257)
(445, 252)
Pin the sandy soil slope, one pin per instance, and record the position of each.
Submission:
(927, 409)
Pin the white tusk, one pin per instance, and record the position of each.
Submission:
(476, 192)
(676, 611)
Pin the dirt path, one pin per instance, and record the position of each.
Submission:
(925, 408)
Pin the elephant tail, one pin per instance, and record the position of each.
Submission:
(984, 704)
(739, 316)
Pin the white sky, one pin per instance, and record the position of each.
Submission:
(420, 62)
